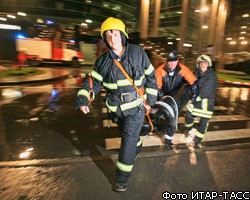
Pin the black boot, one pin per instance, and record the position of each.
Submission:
(120, 187)
(169, 145)
(197, 143)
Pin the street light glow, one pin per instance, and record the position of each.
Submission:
(245, 15)
(39, 20)
(26, 153)
(11, 16)
(243, 42)
(197, 11)
(84, 24)
(88, 21)
(22, 14)
(187, 45)
(3, 19)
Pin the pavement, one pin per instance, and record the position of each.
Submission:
(219, 172)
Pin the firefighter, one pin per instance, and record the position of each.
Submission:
(126, 106)
(204, 104)
(171, 76)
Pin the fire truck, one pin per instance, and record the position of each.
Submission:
(39, 51)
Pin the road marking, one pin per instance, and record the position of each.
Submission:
(221, 118)
(211, 136)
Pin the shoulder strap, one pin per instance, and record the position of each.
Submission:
(137, 89)
(118, 64)
(91, 91)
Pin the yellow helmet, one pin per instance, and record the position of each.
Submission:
(204, 57)
(112, 23)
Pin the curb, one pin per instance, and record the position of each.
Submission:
(38, 79)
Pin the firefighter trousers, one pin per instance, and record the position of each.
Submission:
(130, 127)
(200, 128)
(169, 133)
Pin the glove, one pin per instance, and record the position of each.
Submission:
(194, 91)
(160, 94)
(81, 101)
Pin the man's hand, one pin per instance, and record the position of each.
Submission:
(84, 109)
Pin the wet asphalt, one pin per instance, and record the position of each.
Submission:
(51, 151)
(42, 119)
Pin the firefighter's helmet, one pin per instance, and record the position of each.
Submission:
(112, 23)
(204, 57)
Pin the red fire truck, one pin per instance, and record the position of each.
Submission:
(39, 51)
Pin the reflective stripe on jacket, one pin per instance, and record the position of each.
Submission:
(106, 74)
(204, 104)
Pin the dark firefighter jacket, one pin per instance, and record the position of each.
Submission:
(169, 85)
(108, 75)
(204, 104)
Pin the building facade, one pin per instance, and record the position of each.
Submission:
(190, 26)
